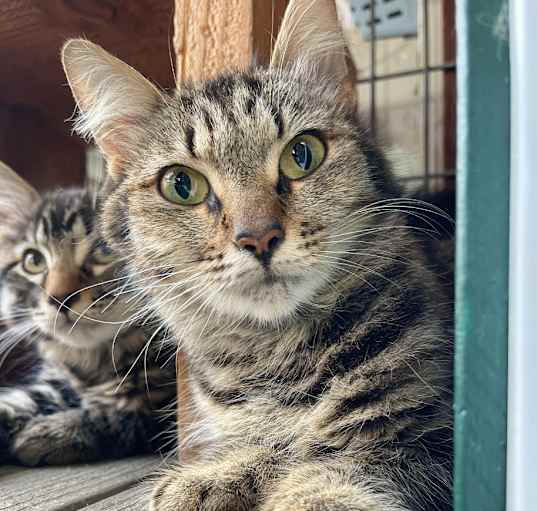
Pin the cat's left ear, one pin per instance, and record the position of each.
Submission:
(113, 98)
(311, 38)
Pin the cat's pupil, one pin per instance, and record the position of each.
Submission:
(302, 155)
(183, 185)
(35, 258)
(105, 250)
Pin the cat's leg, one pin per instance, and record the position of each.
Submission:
(47, 393)
(340, 484)
(232, 484)
(5, 445)
(84, 434)
(333, 486)
(19, 405)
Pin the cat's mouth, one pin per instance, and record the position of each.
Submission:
(266, 296)
(265, 293)
(266, 279)
(270, 278)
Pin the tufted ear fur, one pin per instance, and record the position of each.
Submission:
(18, 199)
(310, 37)
(113, 99)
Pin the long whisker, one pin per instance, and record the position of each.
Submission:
(127, 278)
(342, 264)
(14, 336)
(133, 365)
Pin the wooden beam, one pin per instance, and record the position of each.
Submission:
(212, 36)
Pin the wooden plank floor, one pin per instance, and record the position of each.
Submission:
(106, 486)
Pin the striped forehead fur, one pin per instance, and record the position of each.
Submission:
(255, 104)
(60, 210)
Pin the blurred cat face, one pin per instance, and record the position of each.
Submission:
(55, 267)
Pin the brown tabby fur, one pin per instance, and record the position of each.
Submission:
(322, 380)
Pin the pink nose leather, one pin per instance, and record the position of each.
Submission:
(261, 247)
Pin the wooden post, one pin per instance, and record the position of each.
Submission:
(212, 36)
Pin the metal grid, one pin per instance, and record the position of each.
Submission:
(426, 71)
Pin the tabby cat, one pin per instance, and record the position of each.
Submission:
(318, 339)
(74, 386)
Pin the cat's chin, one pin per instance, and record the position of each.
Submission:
(273, 302)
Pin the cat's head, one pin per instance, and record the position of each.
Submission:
(244, 192)
(52, 262)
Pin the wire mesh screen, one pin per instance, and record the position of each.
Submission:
(404, 52)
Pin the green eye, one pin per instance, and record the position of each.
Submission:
(33, 261)
(103, 255)
(183, 185)
(302, 156)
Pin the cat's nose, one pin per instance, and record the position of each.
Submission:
(62, 287)
(261, 246)
(64, 302)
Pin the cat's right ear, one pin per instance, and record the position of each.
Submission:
(17, 200)
(311, 38)
(113, 99)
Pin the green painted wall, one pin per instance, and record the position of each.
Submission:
(482, 255)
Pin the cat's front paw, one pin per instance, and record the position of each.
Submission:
(326, 487)
(205, 490)
(32, 446)
(48, 440)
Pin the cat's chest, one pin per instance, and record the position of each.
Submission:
(251, 401)
(260, 416)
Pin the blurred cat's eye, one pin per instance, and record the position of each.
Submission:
(302, 156)
(183, 185)
(103, 255)
(33, 261)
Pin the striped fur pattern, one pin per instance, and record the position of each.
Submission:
(74, 386)
(322, 380)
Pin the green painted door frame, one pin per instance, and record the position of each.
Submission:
(482, 255)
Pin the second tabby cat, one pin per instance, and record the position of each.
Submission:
(74, 386)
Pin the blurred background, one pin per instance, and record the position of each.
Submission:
(35, 101)
(404, 52)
